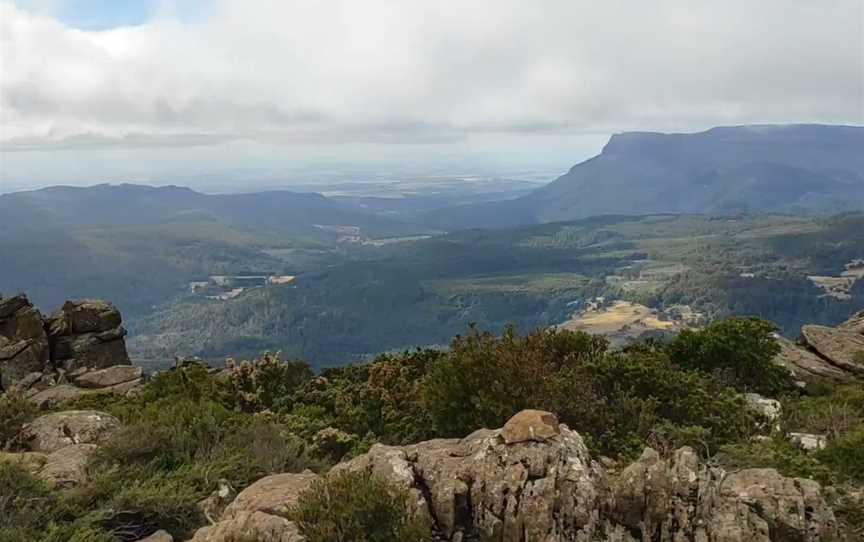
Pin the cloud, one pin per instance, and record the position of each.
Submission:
(293, 72)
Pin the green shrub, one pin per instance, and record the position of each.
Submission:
(258, 384)
(615, 400)
(357, 507)
(15, 411)
(25, 501)
(739, 350)
(485, 379)
(846, 455)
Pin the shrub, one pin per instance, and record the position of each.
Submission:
(24, 500)
(486, 379)
(258, 384)
(616, 400)
(740, 350)
(15, 411)
(357, 507)
(846, 454)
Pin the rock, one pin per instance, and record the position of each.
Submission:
(61, 393)
(840, 347)
(84, 316)
(213, 506)
(31, 461)
(87, 333)
(855, 324)
(110, 376)
(481, 487)
(536, 425)
(805, 365)
(769, 408)
(272, 494)
(67, 467)
(763, 506)
(256, 526)
(809, 441)
(97, 350)
(23, 342)
(158, 536)
(55, 431)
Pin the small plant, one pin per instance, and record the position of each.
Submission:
(357, 507)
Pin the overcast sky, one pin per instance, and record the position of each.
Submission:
(95, 90)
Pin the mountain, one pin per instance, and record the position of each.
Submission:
(726, 170)
(106, 205)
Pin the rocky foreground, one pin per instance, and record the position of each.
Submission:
(531, 480)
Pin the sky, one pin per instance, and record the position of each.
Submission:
(265, 90)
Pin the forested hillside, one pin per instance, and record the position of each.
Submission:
(424, 292)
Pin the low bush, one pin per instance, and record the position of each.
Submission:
(357, 507)
(15, 411)
(738, 350)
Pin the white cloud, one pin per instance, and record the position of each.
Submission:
(280, 71)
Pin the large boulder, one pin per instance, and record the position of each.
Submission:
(159, 536)
(855, 324)
(528, 425)
(804, 365)
(840, 347)
(87, 333)
(111, 376)
(58, 430)
(256, 526)
(23, 342)
(550, 489)
(681, 499)
(67, 466)
(274, 494)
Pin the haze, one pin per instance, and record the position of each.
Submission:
(231, 92)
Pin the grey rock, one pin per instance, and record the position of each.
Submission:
(480, 487)
(838, 346)
(23, 343)
(67, 467)
(57, 430)
(159, 536)
(110, 376)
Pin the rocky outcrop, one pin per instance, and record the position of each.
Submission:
(87, 333)
(260, 511)
(855, 324)
(23, 341)
(67, 466)
(256, 526)
(61, 445)
(79, 350)
(549, 488)
(840, 347)
(57, 430)
(274, 494)
(804, 365)
(159, 536)
(832, 354)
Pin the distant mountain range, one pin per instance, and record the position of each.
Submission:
(764, 168)
(106, 205)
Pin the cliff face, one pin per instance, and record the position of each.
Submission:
(79, 349)
(790, 168)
